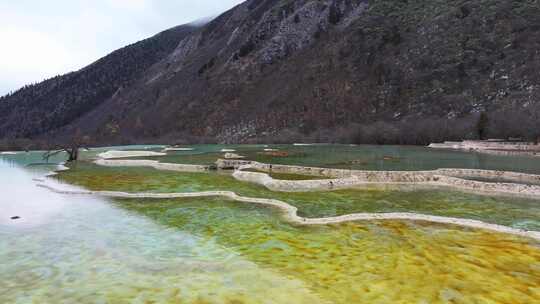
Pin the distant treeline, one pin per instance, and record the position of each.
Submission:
(514, 123)
(521, 123)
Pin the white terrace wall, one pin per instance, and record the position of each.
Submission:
(367, 176)
(487, 145)
(491, 174)
(351, 178)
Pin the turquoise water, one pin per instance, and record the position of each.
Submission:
(362, 157)
(505, 210)
(35, 158)
(85, 249)
(66, 249)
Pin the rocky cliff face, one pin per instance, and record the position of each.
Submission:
(273, 68)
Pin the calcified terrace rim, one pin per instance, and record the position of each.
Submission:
(344, 179)
(126, 154)
(290, 212)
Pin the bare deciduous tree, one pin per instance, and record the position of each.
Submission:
(71, 148)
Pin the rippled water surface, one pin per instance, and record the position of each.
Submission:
(84, 249)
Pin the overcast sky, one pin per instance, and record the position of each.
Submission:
(40, 39)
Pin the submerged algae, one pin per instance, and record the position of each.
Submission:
(375, 262)
(94, 253)
(210, 250)
(513, 212)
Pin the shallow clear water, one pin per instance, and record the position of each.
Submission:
(362, 157)
(84, 249)
(70, 249)
(506, 210)
(365, 262)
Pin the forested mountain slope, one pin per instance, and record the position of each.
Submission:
(284, 70)
(56, 102)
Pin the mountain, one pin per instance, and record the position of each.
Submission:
(55, 103)
(385, 71)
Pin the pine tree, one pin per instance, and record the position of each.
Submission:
(482, 126)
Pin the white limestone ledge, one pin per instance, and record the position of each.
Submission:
(177, 149)
(126, 154)
(396, 176)
(343, 179)
(491, 174)
(479, 145)
(152, 164)
(265, 180)
(290, 212)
